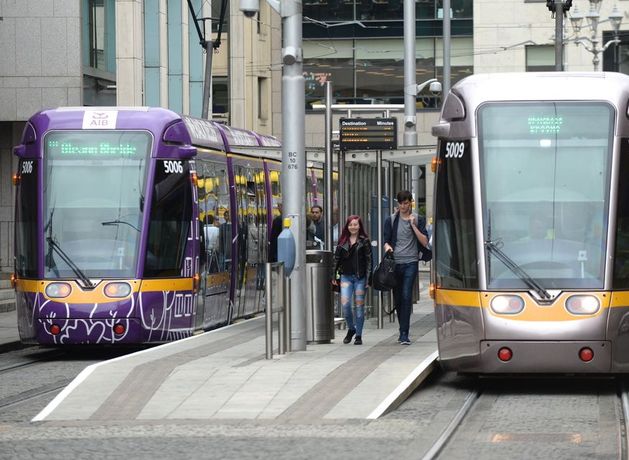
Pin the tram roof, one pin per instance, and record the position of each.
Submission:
(534, 86)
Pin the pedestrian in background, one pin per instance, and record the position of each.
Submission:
(404, 232)
(353, 268)
(316, 212)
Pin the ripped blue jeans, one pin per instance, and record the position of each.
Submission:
(352, 286)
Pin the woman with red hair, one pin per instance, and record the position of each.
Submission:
(353, 270)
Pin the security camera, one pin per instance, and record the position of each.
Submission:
(435, 87)
(249, 7)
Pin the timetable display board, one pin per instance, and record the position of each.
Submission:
(368, 134)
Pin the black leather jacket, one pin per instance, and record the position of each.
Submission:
(361, 257)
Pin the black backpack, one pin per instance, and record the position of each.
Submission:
(383, 278)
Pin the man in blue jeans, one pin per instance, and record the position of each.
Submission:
(403, 233)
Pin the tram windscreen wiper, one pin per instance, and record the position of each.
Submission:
(77, 271)
(517, 270)
(117, 222)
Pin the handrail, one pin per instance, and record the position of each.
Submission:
(283, 318)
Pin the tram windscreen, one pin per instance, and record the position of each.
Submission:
(93, 202)
(545, 169)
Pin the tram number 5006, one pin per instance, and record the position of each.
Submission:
(173, 167)
(455, 149)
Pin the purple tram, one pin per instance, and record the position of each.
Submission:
(138, 225)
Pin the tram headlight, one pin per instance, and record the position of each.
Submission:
(582, 304)
(117, 290)
(58, 290)
(507, 304)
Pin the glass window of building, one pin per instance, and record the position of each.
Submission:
(371, 71)
(540, 58)
(216, 15)
(220, 96)
(263, 98)
(381, 10)
(328, 61)
(98, 52)
(96, 18)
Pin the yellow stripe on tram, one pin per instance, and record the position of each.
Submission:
(174, 284)
(458, 298)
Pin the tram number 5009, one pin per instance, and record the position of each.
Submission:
(455, 149)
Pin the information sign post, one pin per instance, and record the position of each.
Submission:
(368, 134)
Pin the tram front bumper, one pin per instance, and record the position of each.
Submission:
(544, 357)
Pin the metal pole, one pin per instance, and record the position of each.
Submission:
(380, 236)
(342, 207)
(446, 47)
(207, 81)
(391, 198)
(410, 83)
(595, 50)
(269, 311)
(281, 323)
(294, 159)
(327, 179)
(558, 35)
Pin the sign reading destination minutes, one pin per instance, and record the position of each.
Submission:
(368, 134)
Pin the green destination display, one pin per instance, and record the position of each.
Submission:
(103, 145)
(100, 149)
(545, 124)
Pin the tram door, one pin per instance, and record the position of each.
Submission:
(252, 237)
(215, 224)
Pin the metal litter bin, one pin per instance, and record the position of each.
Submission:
(319, 311)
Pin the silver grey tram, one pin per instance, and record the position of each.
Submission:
(531, 224)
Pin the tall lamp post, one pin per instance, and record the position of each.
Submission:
(593, 19)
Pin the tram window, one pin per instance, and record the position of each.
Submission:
(545, 170)
(455, 242)
(26, 219)
(621, 253)
(214, 214)
(171, 211)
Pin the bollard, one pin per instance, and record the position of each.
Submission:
(283, 321)
(269, 312)
(287, 309)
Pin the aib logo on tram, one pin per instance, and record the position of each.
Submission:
(100, 119)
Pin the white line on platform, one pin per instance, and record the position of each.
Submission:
(397, 396)
(85, 373)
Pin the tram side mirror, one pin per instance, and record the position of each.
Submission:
(19, 150)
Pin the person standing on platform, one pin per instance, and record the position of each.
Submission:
(352, 264)
(276, 229)
(404, 234)
(316, 213)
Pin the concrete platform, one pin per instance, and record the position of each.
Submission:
(223, 374)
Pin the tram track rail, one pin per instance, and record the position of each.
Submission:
(31, 362)
(26, 396)
(449, 435)
(451, 428)
(623, 394)
(32, 376)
